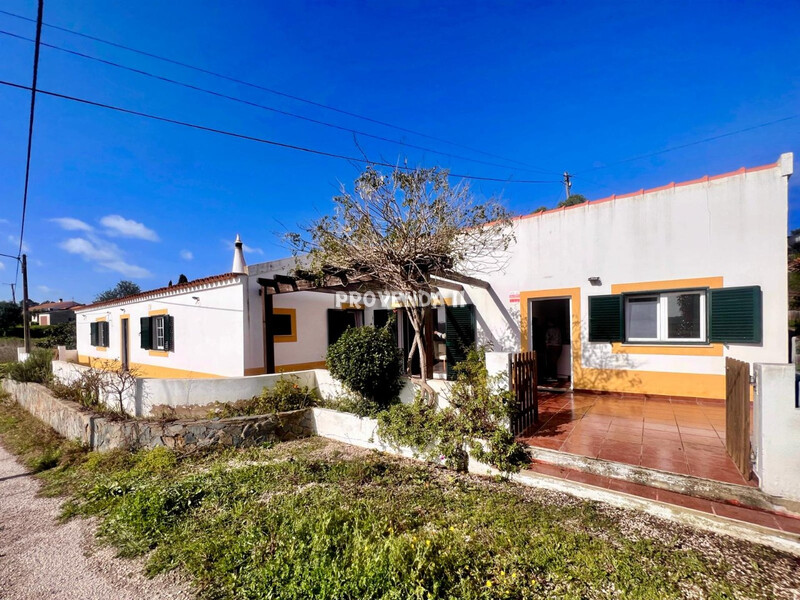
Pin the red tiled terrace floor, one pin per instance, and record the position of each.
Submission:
(679, 435)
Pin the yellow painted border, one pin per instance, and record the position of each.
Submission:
(672, 284)
(158, 312)
(122, 318)
(693, 385)
(292, 312)
(158, 353)
(300, 366)
(101, 348)
(151, 371)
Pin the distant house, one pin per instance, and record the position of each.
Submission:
(53, 313)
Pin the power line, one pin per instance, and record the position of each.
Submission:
(695, 143)
(30, 130)
(276, 92)
(251, 137)
(9, 256)
(257, 105)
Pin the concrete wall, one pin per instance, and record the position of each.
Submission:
(209, 335)
(776, 430)
(715, 232)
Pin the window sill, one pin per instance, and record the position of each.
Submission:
(101, 348)
(698, 349)
(159, 353)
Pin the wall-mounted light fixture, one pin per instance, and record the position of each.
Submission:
(595, 281)
(196, 299)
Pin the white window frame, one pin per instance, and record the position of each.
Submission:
(662, 319)
(160, 339)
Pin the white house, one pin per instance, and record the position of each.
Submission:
(642, 293)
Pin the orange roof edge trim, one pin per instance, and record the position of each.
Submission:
(642, 192)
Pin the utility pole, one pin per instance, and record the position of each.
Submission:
(13, 292)
(567, 183)
(26, 324)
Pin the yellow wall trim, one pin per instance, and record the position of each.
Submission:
(151, 371)
(710, 350)
(300, 366)
(671, 284)
(158, 353)
(693, 385)
(155, 313)
(293, 316)
(101, 320)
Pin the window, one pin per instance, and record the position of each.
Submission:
(284, 325)
(99, 334)
(666, 317)
(158, 333)
(719, 315)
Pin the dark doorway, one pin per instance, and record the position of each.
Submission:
(549, 321)
(124, 339)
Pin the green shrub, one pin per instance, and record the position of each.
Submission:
(287, 394)
(368, 362)
(37, 368)
(62, 334)
(86, 390)
(476, 422)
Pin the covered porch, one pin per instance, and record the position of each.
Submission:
(684, 436)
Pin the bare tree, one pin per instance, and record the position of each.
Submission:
(402, 229)
(118, 383)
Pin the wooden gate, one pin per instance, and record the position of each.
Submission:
(737, 413)
(522, 378)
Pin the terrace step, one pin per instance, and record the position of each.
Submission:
(647, 482)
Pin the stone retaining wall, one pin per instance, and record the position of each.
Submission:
(104, 433)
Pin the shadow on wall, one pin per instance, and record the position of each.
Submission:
(608, 373)
(508, 339)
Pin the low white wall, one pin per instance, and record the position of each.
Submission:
(330, 389)
(68, 372)
(776, 430)
(67, 355)
(354, 430)
(199, 392)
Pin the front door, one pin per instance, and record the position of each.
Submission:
(124, 334)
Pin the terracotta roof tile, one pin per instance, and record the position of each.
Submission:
(171, 289)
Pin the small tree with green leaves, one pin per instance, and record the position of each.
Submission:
(10, 316)
(121, 290)
(368, 362)
(572, 200)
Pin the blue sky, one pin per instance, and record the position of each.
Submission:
(558, 86)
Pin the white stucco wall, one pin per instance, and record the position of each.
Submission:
(732, 227)
(776, 430)
(208, 331)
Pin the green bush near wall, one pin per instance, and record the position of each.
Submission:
(368, 362)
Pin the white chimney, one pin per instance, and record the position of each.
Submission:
(238, 257)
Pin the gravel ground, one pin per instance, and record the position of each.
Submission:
(41, 558)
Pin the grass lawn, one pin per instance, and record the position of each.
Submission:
(317, 519)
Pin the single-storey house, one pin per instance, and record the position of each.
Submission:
(53, 313)
(645, 292)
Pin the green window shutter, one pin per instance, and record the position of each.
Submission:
(145, 342)
(104, 334)
(93, 334)
(169, 333)
(460, 335)
(605, 318)
(735, 315)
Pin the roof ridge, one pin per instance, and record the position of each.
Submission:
(168, 288)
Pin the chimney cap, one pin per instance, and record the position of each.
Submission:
(239, 265)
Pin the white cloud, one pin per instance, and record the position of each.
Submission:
(118, 225)
(251, 250)
(71, 224)
(14, 240)
(2, 266)
(45, 290)
(187, 255)
(4, 221)
(105, 254)
(247, 249)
